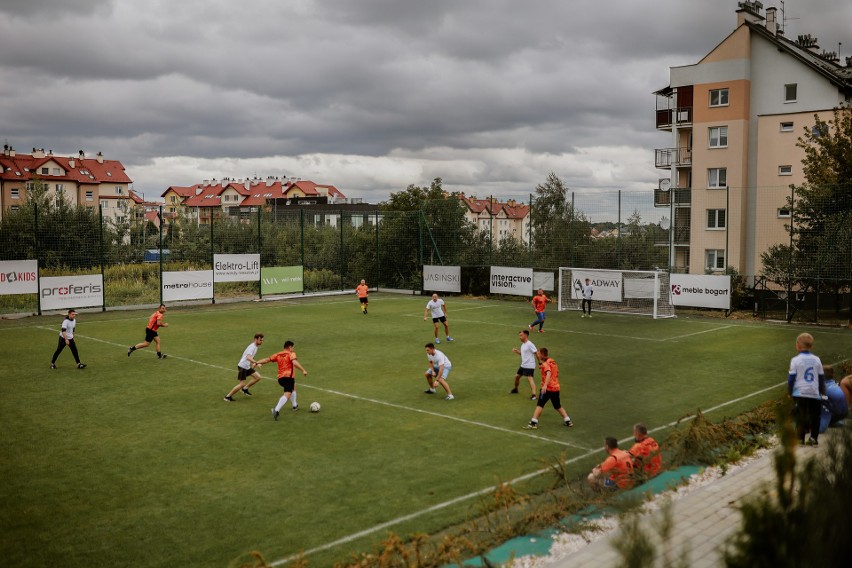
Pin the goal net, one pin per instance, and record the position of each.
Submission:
(639, 292)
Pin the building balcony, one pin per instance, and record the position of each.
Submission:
(681, 238)
(666, 117)
(682, 197)
(668, 157)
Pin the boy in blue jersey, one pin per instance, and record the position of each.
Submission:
(806, 384)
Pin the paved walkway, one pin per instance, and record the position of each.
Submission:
(704, 519)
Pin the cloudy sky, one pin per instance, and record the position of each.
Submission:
(367, 95)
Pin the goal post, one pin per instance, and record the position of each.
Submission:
(638, 292)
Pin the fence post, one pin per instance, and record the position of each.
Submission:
(302, 245)
(101, 255)
(341, 260)
(378, 254)
(37, 255)
(259, 254)
(618, 238)
(490, 230)
(789, 315)
(212, 255)
(161, 252)
(529, 234)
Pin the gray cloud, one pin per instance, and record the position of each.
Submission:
(369, 95)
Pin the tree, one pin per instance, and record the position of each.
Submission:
(557, 229)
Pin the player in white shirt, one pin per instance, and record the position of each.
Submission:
(588, 290)
(529, 360)
(438, 371)
(246, 368)
(66, 337)
(806, 384)
(438, 309)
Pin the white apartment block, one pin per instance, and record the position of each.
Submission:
(735, 118)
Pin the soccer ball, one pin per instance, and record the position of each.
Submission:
(315, 407)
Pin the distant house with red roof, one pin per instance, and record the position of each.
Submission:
(508, 219)
(240, 198)
(89, 182)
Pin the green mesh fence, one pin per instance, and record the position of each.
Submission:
(806, 274)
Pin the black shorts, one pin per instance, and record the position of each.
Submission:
(363, 300)
(524, 372)
(244, 373)
(287, 383)
(442, 318)
(552, 396)
(150, 334)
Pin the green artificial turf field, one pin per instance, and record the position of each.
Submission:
(139, 462)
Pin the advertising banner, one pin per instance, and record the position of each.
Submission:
(187, 285)
(281, 280)
(543, 280)
(701, 291)
(442, 278)
(606, 285)
(236, 267)
(18, 277)
(515, 281)
(64, 292)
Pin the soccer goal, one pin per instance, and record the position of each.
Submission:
(639, 292)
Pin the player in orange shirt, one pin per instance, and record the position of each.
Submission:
(539, 303)
(286, 359)
(361, 291)
(549, 391)
(155, 322)
(619, 463)
(647, 460)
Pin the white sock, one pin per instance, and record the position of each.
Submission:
(567, 419)
(293, 400)
(534, 420)
(281, 402)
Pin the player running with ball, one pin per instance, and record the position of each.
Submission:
(286, 359)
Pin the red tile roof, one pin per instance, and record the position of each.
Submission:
(84, 171)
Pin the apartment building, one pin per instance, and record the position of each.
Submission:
(508, 219)
(90, 182)
(735, 118)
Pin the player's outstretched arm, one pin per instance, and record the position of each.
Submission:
(298, 365)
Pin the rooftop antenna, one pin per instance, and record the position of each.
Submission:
(784, 18)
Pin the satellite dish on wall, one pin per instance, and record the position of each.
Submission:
(665, 223)
(665, 184)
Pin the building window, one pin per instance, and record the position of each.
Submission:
(90, 196)
(718, 136)
(717, 178)
(718, 97)
(715, 259)
(104, 204)
(173, 199)
(785, 170)
(715, 218)
(783, 213)
(790, 92)
(786, 127)
(16, 193)
(118, 190)
(59, 187)
(45, 171)
(56, 172)
(14, 207)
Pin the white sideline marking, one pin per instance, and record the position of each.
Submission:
(365, 399)
(554, 330)
(699, 332)
(474, 308)
(461, 498)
